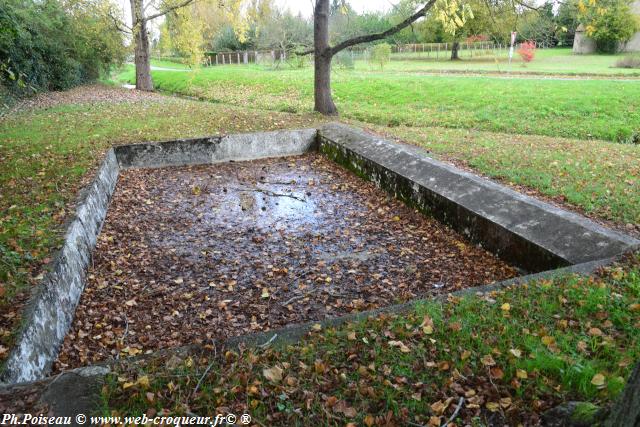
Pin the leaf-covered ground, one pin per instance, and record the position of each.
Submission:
(504, 358)
(49, 147)
(194, 254)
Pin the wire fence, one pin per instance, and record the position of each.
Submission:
(399, 52)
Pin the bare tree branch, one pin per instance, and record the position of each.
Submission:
(167, 10)
(378, 36)
(120, 26)
(525, 5)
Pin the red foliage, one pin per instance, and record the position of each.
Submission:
(477, 38)
(527, 51)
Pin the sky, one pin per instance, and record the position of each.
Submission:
(305, 6)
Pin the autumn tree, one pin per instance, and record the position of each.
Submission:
(608, 22)
(144, 11)
(183, 33)
(453, 14)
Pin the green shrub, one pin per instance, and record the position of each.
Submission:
(610, 23)
(343, 59)
(381, 54)
(54, 45)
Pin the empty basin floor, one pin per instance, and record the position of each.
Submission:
(192, 254)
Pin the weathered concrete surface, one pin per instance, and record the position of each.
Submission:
(63, 396)
(533, 235)
(51, 310)
(237, 147)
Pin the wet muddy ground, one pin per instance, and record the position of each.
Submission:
(192, 254)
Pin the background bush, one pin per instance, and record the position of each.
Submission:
(54, 45)
(381, 54)
(609, 24)
(630, 61)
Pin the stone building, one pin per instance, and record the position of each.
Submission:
(584, 44)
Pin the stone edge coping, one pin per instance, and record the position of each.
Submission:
(507, 222)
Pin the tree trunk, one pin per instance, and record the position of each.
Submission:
(626, 411)
(141, 51)
(322, 63)
(454, 50)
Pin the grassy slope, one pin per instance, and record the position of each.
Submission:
(586, 109)
(46, 153)
(511, 355)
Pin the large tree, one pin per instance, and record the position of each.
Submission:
(139, 29)
(140, 33)
(324, 52)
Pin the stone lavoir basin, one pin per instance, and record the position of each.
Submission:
(195, 241)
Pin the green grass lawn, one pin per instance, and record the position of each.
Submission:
(560, 61)
(584, 109)
(510, 355)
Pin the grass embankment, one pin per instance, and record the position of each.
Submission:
(45, 154)
(510, 355)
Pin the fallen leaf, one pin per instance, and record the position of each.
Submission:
(595, 332)
(598, 380)
(492, 406)
(143, 381)
(487, 360)
(273, 374)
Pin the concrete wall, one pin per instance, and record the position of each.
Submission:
(581, 43)
(246, 146)
(50, 313)
(633, 45)
(533, 235)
